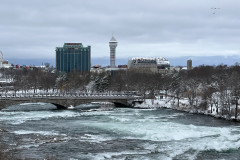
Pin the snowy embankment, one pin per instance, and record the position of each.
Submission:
(163, 103)
(184, 105)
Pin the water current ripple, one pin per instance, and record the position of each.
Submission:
(118, 134)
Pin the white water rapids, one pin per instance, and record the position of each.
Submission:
(120, 134)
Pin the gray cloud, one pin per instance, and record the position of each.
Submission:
(172, 28)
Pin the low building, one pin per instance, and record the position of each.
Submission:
(4, 63)
(97, 69)
(156, 65)
(123, 66)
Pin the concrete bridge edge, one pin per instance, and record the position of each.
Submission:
(63, 103)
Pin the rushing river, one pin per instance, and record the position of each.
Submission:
(120, 133)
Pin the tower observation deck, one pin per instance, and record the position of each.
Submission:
(113, 44)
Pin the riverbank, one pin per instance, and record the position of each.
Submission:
(171, 103)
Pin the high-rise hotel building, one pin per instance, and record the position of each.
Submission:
(73, 57)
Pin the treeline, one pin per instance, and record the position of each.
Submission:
(208, 86)
(202, 86)
(25, 80)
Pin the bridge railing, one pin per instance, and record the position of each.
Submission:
(45, 95)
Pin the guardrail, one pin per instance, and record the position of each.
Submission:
(45, 95)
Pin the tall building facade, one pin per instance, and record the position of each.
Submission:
(113, 45)
(189, 64)
(73, 57)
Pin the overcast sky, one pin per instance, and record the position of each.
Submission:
(157, 28)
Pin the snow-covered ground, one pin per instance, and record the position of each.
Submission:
(5, 80)
(184, 106)
(158, 102)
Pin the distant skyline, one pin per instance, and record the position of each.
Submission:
(167, 28)
(174, 61)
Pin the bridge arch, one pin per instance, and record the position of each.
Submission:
(59, 106)
(63, 103)
(8, 103)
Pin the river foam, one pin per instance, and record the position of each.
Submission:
(44, 133)
(123, 134)
(21, 117)
(178, 138)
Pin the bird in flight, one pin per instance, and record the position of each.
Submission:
(214, 10)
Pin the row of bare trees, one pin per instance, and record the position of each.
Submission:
(24, 80)
(206, 86)
(202, 86)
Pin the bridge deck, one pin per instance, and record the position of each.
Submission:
(66, 100)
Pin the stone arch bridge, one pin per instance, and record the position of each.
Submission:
(63, 101)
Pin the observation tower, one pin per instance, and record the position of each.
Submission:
(112, 44)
